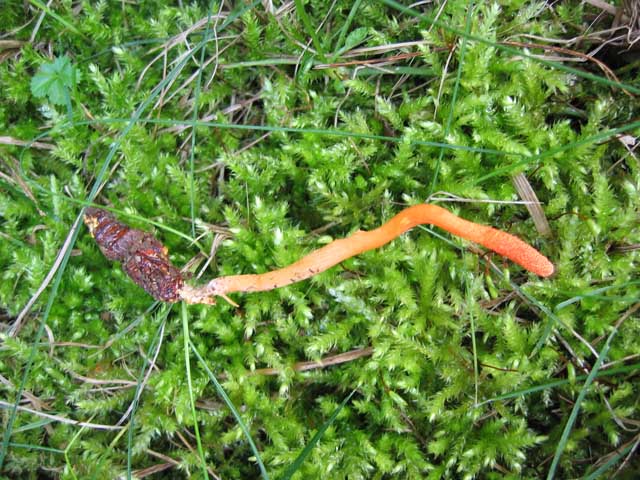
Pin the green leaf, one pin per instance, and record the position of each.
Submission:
(355, 38)
(54, 80)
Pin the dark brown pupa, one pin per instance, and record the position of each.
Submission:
(144, 259)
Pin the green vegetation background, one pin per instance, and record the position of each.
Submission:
(260, 131)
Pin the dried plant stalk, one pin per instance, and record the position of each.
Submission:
(535, 210)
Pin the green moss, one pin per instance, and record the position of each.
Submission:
(289, 154)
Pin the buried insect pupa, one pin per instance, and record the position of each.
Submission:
(146, 261)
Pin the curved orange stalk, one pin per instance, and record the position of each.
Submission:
(337, 251)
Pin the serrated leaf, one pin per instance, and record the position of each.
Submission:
(54, 80)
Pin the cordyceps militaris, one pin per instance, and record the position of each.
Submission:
(146, 260)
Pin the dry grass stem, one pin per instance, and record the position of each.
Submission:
(17, 325)
(325, 362)
(6, 140)
(60, 418)
(14, 177)
(533, 204)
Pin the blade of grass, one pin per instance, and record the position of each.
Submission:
(123, 332)
(34, 425)
(275, 128)
(37, 448)
(607, 465)
(66, 450)
(306, 23)
(558, 383)
(187, 364)
(233, 409)
(194, 117)
(52, 14)
(293, 468)
(564, 438)
(508, 169)
(393, 70)
(262, 63)
(454, 97)
(512, 50)
(472, 322)
(596, 294)
(162, 316)
(345, 28)
(346, 134)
